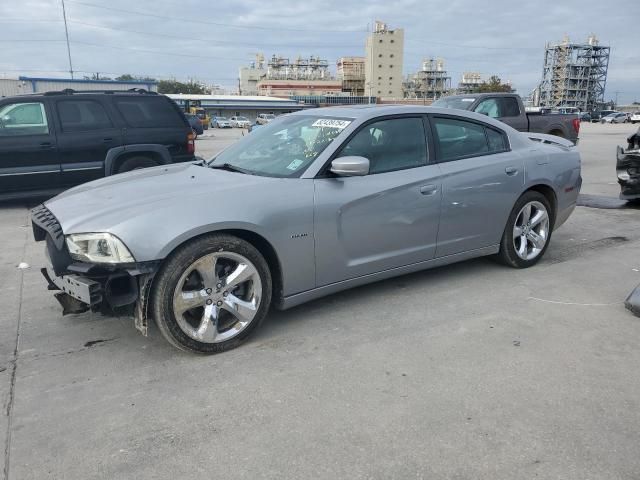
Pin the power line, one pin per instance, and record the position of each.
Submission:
(208, 40)
(204, 22)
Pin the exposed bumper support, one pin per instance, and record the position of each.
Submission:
(633, 301)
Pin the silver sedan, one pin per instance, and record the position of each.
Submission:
(308, 205)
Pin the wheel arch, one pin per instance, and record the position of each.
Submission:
(117, 155)
(549, 193)
(258, 241)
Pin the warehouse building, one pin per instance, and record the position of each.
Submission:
(22, 85)
(237, 105)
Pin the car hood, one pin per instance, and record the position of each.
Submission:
(102, 204)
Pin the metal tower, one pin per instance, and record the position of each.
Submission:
(574, 75)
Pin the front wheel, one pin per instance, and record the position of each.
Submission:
(211, 294)
(528, 231)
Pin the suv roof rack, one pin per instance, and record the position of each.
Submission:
(71, 91)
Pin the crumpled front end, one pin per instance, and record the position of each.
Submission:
(628, 168)
(120, 289)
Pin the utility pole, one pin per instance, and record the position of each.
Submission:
(66, 32)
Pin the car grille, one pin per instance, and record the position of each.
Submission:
(43, 222)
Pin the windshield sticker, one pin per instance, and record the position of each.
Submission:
(330, 123)
(295, 164)
(468, 100)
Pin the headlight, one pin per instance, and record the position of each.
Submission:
(98, 248)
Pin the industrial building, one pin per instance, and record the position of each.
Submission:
(251, 75)
(280, 77)
(10, 87)
(469, 83)
(350, 71)
(431, 82)
(574, 75)
(383, 62)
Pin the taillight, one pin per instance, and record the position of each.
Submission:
(576, 125)
(191, 143)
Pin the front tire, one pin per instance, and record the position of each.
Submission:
(211, 294)
(528, 231)
(136, 163)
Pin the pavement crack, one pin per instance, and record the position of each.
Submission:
(14, 369)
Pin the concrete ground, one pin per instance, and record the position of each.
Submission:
(472, 371)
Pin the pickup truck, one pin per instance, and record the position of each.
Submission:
(508, 108)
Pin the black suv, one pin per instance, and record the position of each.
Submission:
(52, 141)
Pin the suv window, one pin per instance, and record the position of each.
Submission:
(393, 144)
(148, 112)
(499, 107)
(82, 116)
(23, 119)
(459, 138)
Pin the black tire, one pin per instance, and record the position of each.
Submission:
(507, 254)
(135, 163)
(170, 274)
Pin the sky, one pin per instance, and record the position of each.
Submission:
(209, 41)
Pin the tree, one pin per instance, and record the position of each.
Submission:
(174, 86)
(493, 85)
(125, 78)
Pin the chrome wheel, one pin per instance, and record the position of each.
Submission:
(217, 297)
(531, 230)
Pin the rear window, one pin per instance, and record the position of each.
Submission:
(148, 112)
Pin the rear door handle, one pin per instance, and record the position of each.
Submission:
(46, 145)
(107, 140)
(428, 189)
(511, 171)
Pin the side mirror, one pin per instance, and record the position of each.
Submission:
(350, 166)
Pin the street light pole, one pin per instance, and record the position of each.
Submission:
(66, 32)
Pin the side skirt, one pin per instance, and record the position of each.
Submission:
(299, 298)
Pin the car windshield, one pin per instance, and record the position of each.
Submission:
(223, 119)
(242, 119)
(461, 103)
(284, 147)
(268, 116)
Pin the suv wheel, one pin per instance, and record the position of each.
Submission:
(528, 231)
(135, 163)
(211, 294)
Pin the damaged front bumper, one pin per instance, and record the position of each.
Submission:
(110, 289)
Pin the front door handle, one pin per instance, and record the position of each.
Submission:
(511, 171)
(428, 189)
(46, 145)
(107, 140)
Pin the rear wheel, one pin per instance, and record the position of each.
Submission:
(528, 231)
(135, 163)
(212, 294)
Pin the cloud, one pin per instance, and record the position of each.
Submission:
(211, 40)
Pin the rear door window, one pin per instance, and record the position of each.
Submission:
(18, 119)
(497, 141)
(459, 139)
(82, 116)
(148, 112)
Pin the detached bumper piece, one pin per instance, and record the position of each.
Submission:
(628, 168)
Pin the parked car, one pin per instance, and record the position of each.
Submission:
(628, 168)
(264, 118)
(585, 117)
(379, 192)
(635, 117)
(617, 117)
(196, 124)
(220, 122)
(240, 122)
(508, 108)
(599, 114)
(52, 141)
